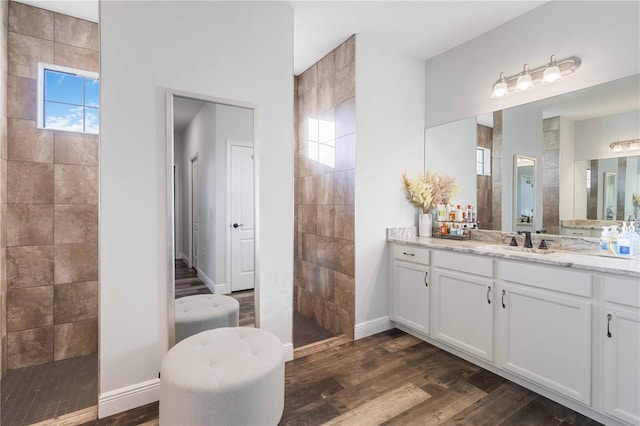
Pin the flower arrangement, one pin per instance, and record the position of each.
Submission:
(429, 190)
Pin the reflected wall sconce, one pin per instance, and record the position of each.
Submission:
(628, 145)
(526, 80)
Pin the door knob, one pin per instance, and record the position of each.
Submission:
(237, 225)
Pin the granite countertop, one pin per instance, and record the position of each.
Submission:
(579, 253)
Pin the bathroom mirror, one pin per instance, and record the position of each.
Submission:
(561, 133)
(609, 206)
(524, 195)
(211, 200)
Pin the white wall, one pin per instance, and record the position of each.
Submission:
(594, 136)
(450, 149)
(521, 135)
(605, 35)
(390, 140)
(233, 50)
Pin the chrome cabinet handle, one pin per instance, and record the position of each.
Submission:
(503, 293)
(488, 291)
(408, 254)
(608, 324)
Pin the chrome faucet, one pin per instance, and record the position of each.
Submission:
(527, 238)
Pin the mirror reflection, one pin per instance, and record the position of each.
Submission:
(213, 215)
(568, 136)
(524, 192)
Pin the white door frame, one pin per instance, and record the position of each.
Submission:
(193, 158)
(177, 210)
(171, 278)
(229, 218)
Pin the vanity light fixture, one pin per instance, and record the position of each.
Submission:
(628, 145)
(526, 80)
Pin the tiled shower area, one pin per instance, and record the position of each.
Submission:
(324, 196)
(48, 225)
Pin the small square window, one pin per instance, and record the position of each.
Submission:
(68, 99)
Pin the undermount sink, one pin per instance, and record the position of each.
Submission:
(516, 249)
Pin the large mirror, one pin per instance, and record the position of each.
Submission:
(524, 194)
(212, 217)
(568, 136)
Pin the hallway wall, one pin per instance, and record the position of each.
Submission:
(52, 196)
(325, 147)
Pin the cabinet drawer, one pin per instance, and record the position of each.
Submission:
(550, 278)
(464, 263)
(411, 254)
(625, 291)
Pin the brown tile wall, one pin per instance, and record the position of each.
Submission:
(51, 254)
(324, 193)
(484, 184)
(4, 20)
(551, 175)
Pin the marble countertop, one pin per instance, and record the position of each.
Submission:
(586, 259)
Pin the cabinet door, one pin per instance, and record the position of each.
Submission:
(546, 338)
(622, 364)
(411, 295)
(463, 312)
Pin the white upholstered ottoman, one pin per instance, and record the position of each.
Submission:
(201, 312)
(226, 376)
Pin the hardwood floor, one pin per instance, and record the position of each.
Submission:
(393, 378)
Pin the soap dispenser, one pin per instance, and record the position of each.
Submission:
(605, 239)
(625, 247)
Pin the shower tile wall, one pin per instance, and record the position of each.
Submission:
(551, 175)
(4, 19)
(324, 189)
(484, 183)
(52, 199)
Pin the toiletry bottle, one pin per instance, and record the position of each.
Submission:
(613, 240)
(458, 217)
(635, 239)
(469, 213)
(440, 212)
(605, 239)
(625, 247)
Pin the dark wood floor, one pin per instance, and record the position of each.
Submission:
(393, 378)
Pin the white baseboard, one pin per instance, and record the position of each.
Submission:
(288, 351)
(207, 281)
(185, 259)
(371, 327)
(123, 399)
(222, 289)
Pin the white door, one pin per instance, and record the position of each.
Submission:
(194, 213)
(622, 364)
(546, 337)
(411, 295)
(463, 312)
(241, 213)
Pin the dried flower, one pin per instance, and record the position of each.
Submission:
(430, 190)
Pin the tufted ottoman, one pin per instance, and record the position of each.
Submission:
(201, 312)
(226, 376)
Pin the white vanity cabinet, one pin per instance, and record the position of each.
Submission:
(409, 294)
(462, 302)
(621, 360)
(545, 326)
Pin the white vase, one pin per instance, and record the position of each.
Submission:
(425, 225)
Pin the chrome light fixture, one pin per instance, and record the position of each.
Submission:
(628, 145)
(552, 72)
(526, 80)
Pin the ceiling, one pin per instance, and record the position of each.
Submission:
(421, 28)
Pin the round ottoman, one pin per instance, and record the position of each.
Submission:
(226, 376)
(201, 312)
